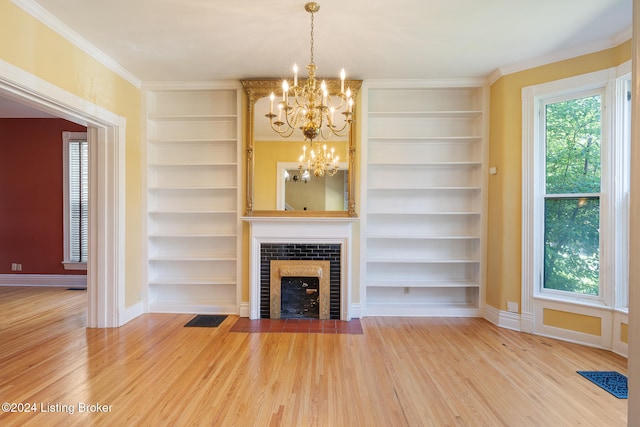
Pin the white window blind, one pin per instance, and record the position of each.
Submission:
(76, 161)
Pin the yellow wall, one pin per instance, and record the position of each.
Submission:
(33, 47)
(267, 155)
(624, 333)
(505, 152)
(591, 325)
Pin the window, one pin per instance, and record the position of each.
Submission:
(76, 200)
(575, 190)
(572, 175)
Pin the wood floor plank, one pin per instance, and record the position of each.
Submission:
(400, 372)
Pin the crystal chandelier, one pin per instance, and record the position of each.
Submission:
(310, 107)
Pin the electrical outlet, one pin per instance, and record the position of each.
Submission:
(512, 307)
(16, 266)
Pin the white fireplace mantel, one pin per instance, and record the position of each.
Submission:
(301, 230)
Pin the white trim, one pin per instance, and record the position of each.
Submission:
(244, 310)
(604, 314)
(127, 314)
(194, 85)
(106, 264)
(53, 280)
(240, 240)
(633, 366)
(200, 307)
(362, 157)
(419, 83)
(42, 15)
(618, 346)
(419, 310)
(74, 265)
(356, 311)
(562, 55)
(501, 318)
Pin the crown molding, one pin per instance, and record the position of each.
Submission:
(42, 15)
(561, 55)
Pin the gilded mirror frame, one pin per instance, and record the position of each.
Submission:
(262, 88)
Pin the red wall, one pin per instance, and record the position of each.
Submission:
(31, 196)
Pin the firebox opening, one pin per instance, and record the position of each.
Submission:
(300, 298)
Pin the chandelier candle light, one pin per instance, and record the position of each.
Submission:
(309, 106)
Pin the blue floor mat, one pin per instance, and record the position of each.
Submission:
(613, 382)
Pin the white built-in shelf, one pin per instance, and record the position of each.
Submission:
(192, 258)
(423, 199)
(426, 139)
(392, 259)
(192, 117)
(423, 283)
(420, 237)
(424, 163)
(196, 142)
(403, 214)
(198, 281)
(422, 187)
(193, 198)
(426, 114)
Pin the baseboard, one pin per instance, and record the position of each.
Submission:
(189, 308)
(420, 310)
(127, 314)
(244, 309)
(52, 280)
(504, 319)
(356, 311)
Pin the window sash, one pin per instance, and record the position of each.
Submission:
(549, 280)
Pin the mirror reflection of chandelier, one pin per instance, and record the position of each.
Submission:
(318, 160)
(310, 107)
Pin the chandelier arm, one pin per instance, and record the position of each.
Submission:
(286, 133)
(342, 131)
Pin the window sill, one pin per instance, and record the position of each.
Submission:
(575, 301)
(580, 302)
(68, 265)
(622, 310)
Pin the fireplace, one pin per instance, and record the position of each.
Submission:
(300, 260)
(300, 239)
(299, 289)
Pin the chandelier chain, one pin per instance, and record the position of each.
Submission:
(312, 37)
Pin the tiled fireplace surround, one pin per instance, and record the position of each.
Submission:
(300, 239)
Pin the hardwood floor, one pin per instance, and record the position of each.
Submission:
(400, 372)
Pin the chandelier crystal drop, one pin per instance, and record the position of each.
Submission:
(310, 107)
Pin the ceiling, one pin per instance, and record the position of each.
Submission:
(199, 40)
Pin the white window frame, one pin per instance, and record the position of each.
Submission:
(541, 195)
(68, 137)
(613, 196)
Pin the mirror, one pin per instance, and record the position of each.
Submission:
(274, 186)
(298, 191)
